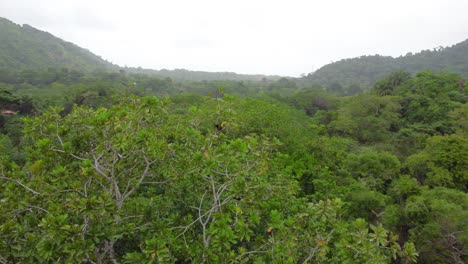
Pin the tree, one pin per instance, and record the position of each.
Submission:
(375, 169)
(442, 162)
(367, 118)
(434, 220)
(388, 85)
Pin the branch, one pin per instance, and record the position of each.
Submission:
(40, 208)
(252, 252)
(144, 174)
(76, 157)
(314, 250)
(378, 215)
(98, 166)
(203, 215)
(18, 182)
(59, 138)
(196, 220)
(3, 260)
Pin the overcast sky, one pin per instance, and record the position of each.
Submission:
(245, 36)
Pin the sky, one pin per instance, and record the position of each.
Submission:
(287, 38)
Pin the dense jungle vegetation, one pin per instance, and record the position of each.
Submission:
(119, 165)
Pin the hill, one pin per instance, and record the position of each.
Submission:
(27, 48)
(364, 71)
(188, 75)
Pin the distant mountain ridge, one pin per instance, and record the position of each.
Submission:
(188, 75)
(27, 48)
(366, 70)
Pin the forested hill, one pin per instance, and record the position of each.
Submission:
(188, 75)
(364, 71)
(27, 48)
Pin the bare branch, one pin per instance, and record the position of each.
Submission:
(3, 260)
(211, 210)
(40, 208)
(378, 215)
(57, 150)
(196, 220)
(59, 138)
(76, 157)
(142, 177)
(97, 166)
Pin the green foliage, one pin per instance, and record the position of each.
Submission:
(366, 204)
(442, 215)
(312, 101)
(388, 85)
(443, 162)
(460, 117)
(146, 181)
(367, 118)
(374, 169)
(426, 102)
(197, 175)
(403, 187)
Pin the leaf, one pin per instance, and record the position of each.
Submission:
(409, 252)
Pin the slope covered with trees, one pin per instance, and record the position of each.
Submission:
(25, 47)
(364, 71)
(187, 75)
